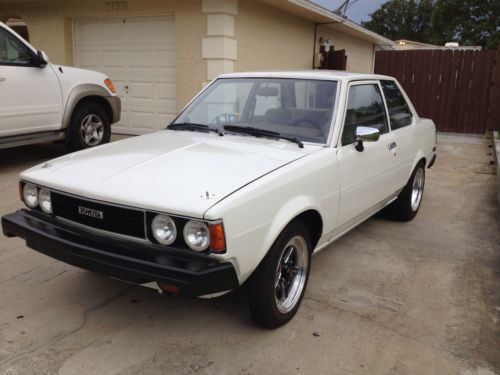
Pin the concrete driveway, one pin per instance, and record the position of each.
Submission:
(388, 298)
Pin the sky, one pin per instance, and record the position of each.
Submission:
(359, 11)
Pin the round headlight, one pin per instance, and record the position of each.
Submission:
(164, 229)
(44, 201)
(197, 235)
(30, 195)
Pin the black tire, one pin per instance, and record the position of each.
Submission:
(405, 208)
(99, 119)
(263, 289)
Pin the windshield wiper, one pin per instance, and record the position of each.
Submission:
(261, 133)
(189, 126)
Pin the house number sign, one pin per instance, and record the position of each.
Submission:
(116, 6)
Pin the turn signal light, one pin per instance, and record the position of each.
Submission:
(109, 84)
(217, 240)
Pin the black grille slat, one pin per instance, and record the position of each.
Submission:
(126, 221)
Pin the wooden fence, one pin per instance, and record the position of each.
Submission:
(459, 90)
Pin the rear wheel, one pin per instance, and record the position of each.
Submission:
(277, 286)
(406, 207)
(90, 126)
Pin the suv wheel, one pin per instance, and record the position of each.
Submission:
(90, 126)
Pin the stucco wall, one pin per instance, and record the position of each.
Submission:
(50, 27)
(360, 53)
(270, 39)
(266, 38)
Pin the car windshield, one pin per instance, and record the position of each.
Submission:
(298, 109)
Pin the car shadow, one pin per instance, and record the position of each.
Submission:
(18, 158)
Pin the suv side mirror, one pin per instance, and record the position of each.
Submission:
(366, 134)
(43, 59)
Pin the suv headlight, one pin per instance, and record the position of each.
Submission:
(45, 201)
(197, 235)
(30, 195)
(164, 229)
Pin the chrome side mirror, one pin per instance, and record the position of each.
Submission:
(366, 134)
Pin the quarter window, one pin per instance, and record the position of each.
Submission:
(12, 51)
(365, 107)
(399, 111)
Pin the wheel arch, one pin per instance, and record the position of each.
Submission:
(86, 93)
(419, 159)
(302, 208)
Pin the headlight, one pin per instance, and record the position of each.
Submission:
(30, 195)
(44, 201)
(196, 235)
(164, 229)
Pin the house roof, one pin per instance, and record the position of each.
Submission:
(320, 15)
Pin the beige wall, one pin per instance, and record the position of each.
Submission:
(50, 27)
(270, 39)
(360, 53)
(266, 38)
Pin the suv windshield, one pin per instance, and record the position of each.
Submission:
(299, 109)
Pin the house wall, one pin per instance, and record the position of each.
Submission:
(50, 26)
(253, 36)
(266, 44)
(270, 39)
(360, 53)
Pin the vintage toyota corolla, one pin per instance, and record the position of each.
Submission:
(259, 172)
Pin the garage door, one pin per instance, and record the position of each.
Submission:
(138, 54)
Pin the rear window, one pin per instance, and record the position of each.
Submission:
(399, 111)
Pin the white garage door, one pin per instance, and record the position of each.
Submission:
(138, 54)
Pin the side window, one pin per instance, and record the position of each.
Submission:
(12, 51)
(365, 107)
(399, 111)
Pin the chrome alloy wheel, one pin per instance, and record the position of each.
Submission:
(92, 130)
(417, 189)
(291, 274)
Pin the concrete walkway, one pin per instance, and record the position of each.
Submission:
(388, 298)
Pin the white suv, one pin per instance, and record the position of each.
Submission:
(42, 102)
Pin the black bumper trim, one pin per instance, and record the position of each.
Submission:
(194, 274)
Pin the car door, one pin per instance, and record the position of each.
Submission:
(366, 177)
(30, 96)
(402, 123)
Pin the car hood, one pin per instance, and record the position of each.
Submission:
(177, 172)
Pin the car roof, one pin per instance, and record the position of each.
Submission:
(338, 75)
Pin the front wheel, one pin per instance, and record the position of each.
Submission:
(277, 286)
(90, 126)
(405, 208)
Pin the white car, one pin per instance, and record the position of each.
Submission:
(259, 172)
(43, 102)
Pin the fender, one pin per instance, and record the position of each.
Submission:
(293, 208)
(77, 94)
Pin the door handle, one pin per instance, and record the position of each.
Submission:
(2, 79)
(392, 146)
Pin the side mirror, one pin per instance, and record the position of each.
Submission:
(43, 59)
(366, 134)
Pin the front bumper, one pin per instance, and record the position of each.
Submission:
(193, 273)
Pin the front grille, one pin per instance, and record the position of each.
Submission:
(127, 221)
